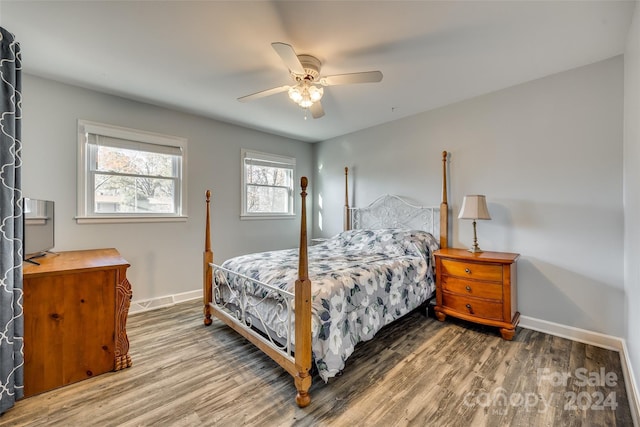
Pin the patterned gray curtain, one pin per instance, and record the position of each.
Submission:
(11, 319)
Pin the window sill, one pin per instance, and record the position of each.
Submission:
(128, 219)
(266, 216)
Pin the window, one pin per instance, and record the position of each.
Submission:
(267, 185)
(126, 175)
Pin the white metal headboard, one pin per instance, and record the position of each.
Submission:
(390, 211)
(393, 211)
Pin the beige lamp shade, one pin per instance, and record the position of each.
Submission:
(474, 207)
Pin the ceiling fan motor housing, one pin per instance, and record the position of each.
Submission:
(311, 66)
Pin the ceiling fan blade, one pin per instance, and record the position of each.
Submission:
(345, 79)
(316, 110)
(263, 93)
(289, 57)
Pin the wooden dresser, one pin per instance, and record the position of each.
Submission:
(75, 315)
(478, 287)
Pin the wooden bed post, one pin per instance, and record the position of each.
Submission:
(444, 207)
(347, 216)
(302, 303)
(207, 260)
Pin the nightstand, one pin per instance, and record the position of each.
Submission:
(479, 287)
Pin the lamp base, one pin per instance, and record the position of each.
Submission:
(475, 248)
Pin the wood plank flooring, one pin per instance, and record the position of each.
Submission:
(417, 372)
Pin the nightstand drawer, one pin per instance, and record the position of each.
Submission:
(472, 288)
(470, 270)
(473, 306)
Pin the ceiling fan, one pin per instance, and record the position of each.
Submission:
(308, 87)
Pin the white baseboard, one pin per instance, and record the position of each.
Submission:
(599, 340)
(569, 332)
(164, 301)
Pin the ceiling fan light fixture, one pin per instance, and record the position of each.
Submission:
(305, 94)
(305, 103)
(315, 93)
(295, 94)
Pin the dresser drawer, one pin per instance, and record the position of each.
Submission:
(473, 306)
(470, 270)
(472, 288)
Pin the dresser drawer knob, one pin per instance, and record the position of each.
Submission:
(469, 308)
(466, 270)
(468, 288)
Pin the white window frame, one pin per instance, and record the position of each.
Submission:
(289, 162)
(85, 210)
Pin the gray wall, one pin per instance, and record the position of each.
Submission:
(632, 192)
(165, 257)
(548, 156)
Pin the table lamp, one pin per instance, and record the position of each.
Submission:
(474, 207)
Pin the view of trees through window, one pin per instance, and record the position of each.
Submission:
(133, 181)
(268, 189)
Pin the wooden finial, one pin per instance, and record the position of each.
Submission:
(444, 176)
(444, 208)
(346, 187)
(207, 258)
(303, 265)
(347, 216)
(207, 238)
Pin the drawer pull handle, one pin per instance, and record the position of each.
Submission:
(468, 288)
(469, 308)
(466, 270)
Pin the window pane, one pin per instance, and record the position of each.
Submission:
(267, 199)
(120, 160)
(267, 175)
(118, 194)
(267, 184)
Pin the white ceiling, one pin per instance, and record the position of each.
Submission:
(200, 56)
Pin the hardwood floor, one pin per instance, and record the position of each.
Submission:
(417, 372)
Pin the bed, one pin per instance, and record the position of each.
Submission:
(311, 306)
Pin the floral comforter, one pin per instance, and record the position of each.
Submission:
(361, 280)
